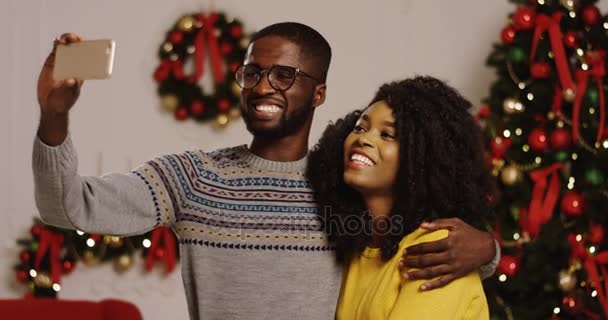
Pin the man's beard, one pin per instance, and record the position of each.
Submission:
(288, 125)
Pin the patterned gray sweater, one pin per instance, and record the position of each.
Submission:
(250, 242)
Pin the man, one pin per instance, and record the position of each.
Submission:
(250, 240)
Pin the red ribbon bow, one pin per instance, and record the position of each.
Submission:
(50, 242)
(162, 238)
(207, 32)
(551, 24)
(594, 265)
(544, 197)
(598, 71)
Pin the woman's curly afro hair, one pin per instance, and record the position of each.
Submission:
(442, 173)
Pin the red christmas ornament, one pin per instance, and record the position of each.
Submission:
(176, 37)
(162, 71)
(573, 204)
(507, 35)
(560, 139)
(22, 276)
(540, 70)
(68, 266)
(596, 234)
(25, 256)
(538, 140)
(236, 32)
(484, 112)
(159, 253)
(523, 18)
(570, 39)
(591, 15)
(499, 146)
(573, 304)
(197, 108)
(225, 48)
(223, 105)
(508, 265)
(181, 114)
(36, 230)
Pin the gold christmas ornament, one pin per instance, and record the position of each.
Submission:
(114, 242)
(186, 23)
(43, 280)
(236, 90)
(569, 4)
(89, 259)
(123, 263)
(222, 121)
(169, 102)
(244, 43)
(511, 175)
(512, 106)
(569, 95)
(235, 113)
(567, 280)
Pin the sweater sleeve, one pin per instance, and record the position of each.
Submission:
(114, 204)
(462, 298)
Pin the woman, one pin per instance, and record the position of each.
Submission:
(413, 154)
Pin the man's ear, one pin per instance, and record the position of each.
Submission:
(319, 97)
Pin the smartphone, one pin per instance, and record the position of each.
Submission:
(85, 60)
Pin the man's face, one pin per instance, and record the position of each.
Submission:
(272, 113)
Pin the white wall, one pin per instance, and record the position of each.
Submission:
(373, 42)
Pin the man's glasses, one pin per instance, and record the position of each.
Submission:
(281, 78)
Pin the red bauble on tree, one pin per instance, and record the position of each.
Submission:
(507, 35)
(181, 114)
(223, 105)
(570, 39)
(499, 146)
(540, 70)
(596, 234)
(68, 266)
(236, 31)
(176, 37)
(591, 15)
(36, 230)
(560, 139)
(538, 140)
(22, 276)
(25, 256)
(508, 265)
(573, 204)
(523, 18)
(197, 108)
(226, 48)
(484, 112)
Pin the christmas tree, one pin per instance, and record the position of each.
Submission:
(547, 144)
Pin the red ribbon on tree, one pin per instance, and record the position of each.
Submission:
(544, 198)
(598, 71)
(595, 265)
(50, 242)
(162, 238)
(206, 34)
(552, 25)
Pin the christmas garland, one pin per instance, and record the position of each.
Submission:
(53, 252)
(187, 44)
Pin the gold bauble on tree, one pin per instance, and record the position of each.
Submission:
(43, 280)
(511, 175)
(567, 280)
(221, 121)
(236, 90)
(89, 259)
(569, 4)
(186, 23)
(512, 106)
(235, 113)
(114, 242)
(170, 102)
(123, 263)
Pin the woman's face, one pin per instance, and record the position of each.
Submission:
(371, 151)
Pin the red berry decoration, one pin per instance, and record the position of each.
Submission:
(197, 108)
(507, 35)
(226, 48)
(591, 15)
(540, 70)
(36, 230)
(181, 114)
(538, 140)
(68, 266)
(570, 39)
(524, 18)
(176, 37)
(223, 105)
(596, 234)
(499, 146)
(484, 112)
(508, 265)
(573, 204)
(236, 31)
(22, 276)
(560, 139)
(25, 256)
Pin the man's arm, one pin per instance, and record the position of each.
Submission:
(465, 250)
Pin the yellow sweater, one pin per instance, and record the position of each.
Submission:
(373, 290)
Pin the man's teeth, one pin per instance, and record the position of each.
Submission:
(362, 159)
(267, 108)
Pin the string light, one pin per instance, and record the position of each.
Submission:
(516, 236)
(502, 278)
(33, 273)
(592, 249)
(525, 147)
(605, 144)
(584, 66)
(606, 25)
(522, 85)
(591, 110)
(538, 160)
(580, 52)
(518, 132)
(90, 243)
(506, 133)
(146, 243)
(541, 2)
(530, 96)
(56, 287)
(556, 310)
(579, 237)
(574, 156)
(594, 293)
(78, 232)
(572, 14)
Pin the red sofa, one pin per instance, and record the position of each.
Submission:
(52, 309)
